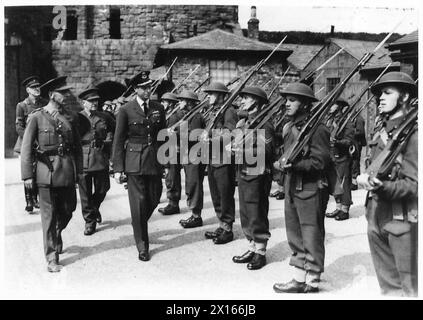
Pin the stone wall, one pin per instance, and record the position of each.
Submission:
(147, 21)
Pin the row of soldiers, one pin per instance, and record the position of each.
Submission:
(66, 153)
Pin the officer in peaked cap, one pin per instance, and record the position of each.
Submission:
(305, 194)
(59, 161)
(220, 173)
(392, 201)
(138, 123)
(172, 170)
(32, 102)
(254, 182)
(96, 147)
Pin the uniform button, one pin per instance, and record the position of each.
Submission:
(135, 123)
(130, 149)
(45, 130)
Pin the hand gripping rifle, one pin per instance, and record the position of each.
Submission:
(382, 166)
(235, 92)
(292, 153)
(350, 112)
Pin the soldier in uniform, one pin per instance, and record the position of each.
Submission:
(59, 161)
(108, 106)
(172, 171)
(254, 181)
(33, 102)
(359, 142)
(341, 160)
(194, 173)
(306, 194)
(221, 175)
(96, 148)
(138, 122)
(391, 204)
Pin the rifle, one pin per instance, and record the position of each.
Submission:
(308, 78)
(345, 119)
(382, 166)
(209, 77)
(161, 79)
(235, 92)
(188, 116)
(292, 153)
(186, 78)
(279, 82)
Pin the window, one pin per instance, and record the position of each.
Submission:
(114, 23)
(331, 83)
(71, 32)
(222, 70)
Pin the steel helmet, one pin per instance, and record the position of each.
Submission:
(187, 94)
(169, 96)
(395, 78)
(255, 91)
(299, 89)
(217, 87)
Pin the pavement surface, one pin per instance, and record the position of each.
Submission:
(183, 265)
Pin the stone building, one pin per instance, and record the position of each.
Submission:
(109, 44)
(405, 51)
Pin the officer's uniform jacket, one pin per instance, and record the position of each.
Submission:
(308, 171)
(23, 109)
(96, 143)
(59, 138)
(398, 196)
(228, 121)
(252, 171)
(140, 129)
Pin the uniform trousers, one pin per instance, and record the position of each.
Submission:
(222, 189)
(394, 257)
(144, 193)
(304, 220)
(173, 184)
(254, 206)
(56, 207)
(194, 177)
(90, 202)
(343, 184)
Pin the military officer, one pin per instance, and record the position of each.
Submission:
(254, 182)
(194, 173)
(173, 171)
(221, 175)
(59, 160)
(306, 194)
(96, 148)
(137, 125)
(33, 102)
(391, 204)
(341, 160)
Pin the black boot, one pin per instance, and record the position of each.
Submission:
(192, 222)
(28, 198)
(169, 209)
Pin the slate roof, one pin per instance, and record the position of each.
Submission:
(412, 37)
(357, 48)
(302, 54)
(218, 39)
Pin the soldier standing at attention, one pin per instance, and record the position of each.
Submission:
(194, 173)
(341, 160)
(391, 204)
(221, 175)
(139, 122)
(306, 194)
(254, 182)
(59, 161)
(96, 148)
(173, 171)
(33, 102)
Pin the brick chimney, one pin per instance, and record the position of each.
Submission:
(253, 24)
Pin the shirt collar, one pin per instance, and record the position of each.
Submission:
(141, 102)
